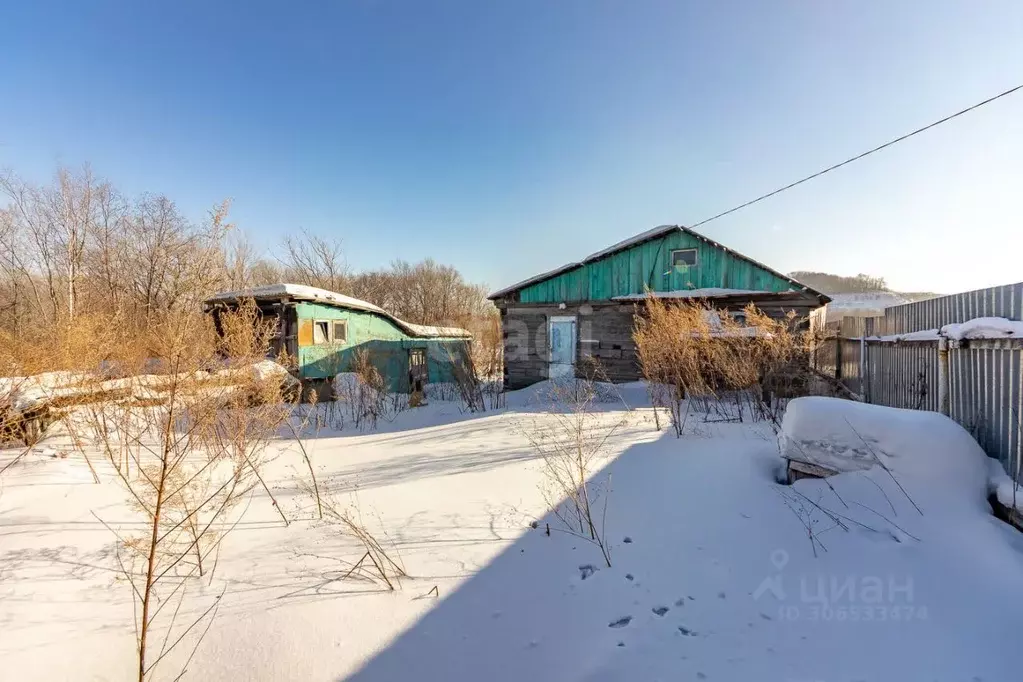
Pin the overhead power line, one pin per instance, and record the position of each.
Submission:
(860, 156)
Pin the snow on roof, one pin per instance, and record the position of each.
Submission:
(636, 239)
(532, 280)
(305, 293)
(642, 236)
(297, 291)
(709, 292)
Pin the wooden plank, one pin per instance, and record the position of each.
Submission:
(798, 469)
(305, 332)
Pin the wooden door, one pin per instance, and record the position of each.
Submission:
(418, 373)
(561, 343)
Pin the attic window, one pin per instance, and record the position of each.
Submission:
(340, 331)
(682, 259)
(321, 332)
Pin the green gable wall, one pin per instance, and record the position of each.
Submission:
(387, 343)
(648, 266)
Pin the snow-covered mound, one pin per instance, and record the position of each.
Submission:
(844, 436)
(975, 329)
(24, 394)
(984, 328)
(1007, 491)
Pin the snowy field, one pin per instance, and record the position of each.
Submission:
(894, 572)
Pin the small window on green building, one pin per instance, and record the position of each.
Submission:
(340, 331)
(321, 332)
(681, 259)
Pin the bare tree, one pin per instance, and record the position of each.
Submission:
(51, 225)
(315, 261)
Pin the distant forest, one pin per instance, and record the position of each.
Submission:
(827, 283)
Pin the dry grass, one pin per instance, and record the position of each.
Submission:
(378, 563)
(691, 351)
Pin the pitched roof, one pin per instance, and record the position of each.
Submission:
(654, 233)
(300, 292)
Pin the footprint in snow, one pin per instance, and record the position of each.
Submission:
(587, 570)
(721, 595)
(686, 631)
(627, 540)
(621, 622)
(629, 576)
(680, 602)
(660, 610)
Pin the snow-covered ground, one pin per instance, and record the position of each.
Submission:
(718, 572)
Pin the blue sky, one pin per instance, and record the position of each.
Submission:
(506, 138)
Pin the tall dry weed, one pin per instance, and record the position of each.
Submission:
(687, 350)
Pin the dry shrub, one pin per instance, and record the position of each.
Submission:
(487, 348)
(184, 416)
(467, 379)
(363, 396)
(476, 388)
(687, 350)
(571, 437)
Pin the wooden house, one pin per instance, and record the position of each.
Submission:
(321, 331)
(584, 309)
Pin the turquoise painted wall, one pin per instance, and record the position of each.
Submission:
(387, 343)
(648, 265)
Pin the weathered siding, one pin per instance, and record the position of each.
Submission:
(387, 344)
(603, 334)
(611, 346)
(525, 345)
(648, 266)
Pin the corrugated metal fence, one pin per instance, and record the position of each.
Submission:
(985, 378)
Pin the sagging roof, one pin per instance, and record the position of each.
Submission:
(654, 233)
(301, 292)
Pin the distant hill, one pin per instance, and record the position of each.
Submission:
(857, 296)
(827, 283)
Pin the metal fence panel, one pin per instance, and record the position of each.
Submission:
(985, 386)
(903, 375)
(851, 365)
(1004, 301)
(985, 379)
